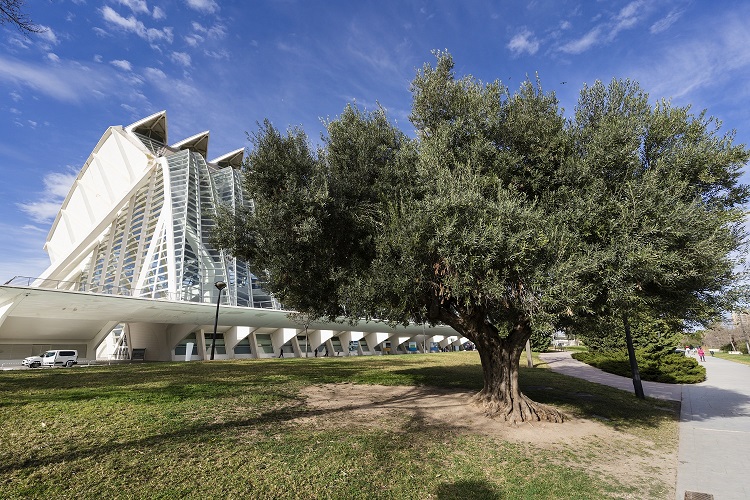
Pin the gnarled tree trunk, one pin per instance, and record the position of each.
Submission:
(501, 396)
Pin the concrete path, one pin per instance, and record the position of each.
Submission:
(714, 450)
(714, 454)
(561, 362)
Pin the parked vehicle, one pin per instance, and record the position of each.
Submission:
(32, 361)
(60, 358)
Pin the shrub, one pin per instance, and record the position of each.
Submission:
(739, 345)
(668, 368)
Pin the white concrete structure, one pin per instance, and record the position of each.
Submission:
(132, 267)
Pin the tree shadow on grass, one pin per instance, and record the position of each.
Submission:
(576, 397)
(476, 490)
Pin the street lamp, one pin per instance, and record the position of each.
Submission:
(221, 286)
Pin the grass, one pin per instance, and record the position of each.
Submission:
(737, 358)
(226, 430)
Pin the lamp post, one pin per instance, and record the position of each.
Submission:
(221, 286)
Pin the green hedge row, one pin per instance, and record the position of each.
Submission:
(668, 368)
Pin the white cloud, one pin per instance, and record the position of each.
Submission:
(15, 96)
(14, 111)
(122, 64)
(607, 30)
(523, 42)
(133, 25)
(172, 87)
(217, 31)
(221, 54)
(130, 109)
(209, 6)
(154, 74)
(64, 81)
(48, 35)
(158, 13)
(18, 41)
(53, 57)
(627, 17)
(47, 204)
(695, 67)
(182, 58)
(32, 123)
(584, 43)
(100, 32)
(194, 40)
(97, 58)
(137, 6)
(666, 22)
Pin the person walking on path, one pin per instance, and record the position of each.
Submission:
(281, 352)
(701, 354)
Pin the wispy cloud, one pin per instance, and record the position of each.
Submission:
(584, 43)
(665, 23)
(48, 35)
(66, 81)
(523, 42)
(699, 64)
(607, 30)
(133, 25)
(47, 203)
(181, 58)
(121, 64)
(137, 6)
(209, 6)
(171, 87)
(217, 31)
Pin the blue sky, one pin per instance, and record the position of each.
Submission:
(223, 66)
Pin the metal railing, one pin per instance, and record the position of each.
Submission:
(120, 291)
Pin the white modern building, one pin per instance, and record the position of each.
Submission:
(132, 267)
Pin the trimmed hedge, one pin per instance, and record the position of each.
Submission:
(667, 368)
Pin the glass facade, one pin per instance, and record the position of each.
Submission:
(158, 245)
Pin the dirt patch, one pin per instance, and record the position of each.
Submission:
(369, 404)
(624, 457)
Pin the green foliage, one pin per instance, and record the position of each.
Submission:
(502, 216)
(655, 336)
(668, 368)
(741, 347)
(541, 339)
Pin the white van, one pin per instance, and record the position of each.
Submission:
(60, 358)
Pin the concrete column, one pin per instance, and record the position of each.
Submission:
(281, 337)
(318, 338)
(374, 339)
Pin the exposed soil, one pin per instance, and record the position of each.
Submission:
(607, 451)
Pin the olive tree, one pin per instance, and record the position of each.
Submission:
(501, 216)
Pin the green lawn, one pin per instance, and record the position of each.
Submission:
(225, 430)
(737, 358)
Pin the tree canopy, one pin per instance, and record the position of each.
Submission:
(500, 216)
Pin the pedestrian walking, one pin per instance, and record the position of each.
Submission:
(316, 352)
(701, 354)
(281, 352)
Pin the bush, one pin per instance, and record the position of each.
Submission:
(740, 347)
(667, 368)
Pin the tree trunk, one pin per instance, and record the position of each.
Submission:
(501, 396)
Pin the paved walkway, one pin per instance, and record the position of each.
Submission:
(562, 362)
(714, 450)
